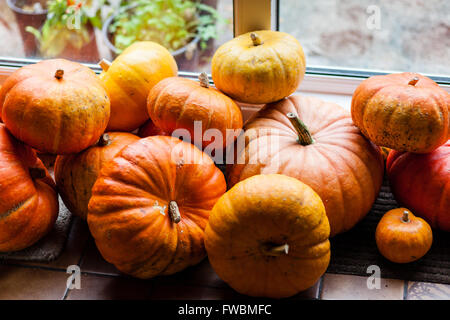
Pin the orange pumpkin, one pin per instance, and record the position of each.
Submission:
(405, 112)
(402, 237)
(76, 174)
(55, 106)
(177, 103)
(150, 205)
(268, 236)
(259, 67)
(129, 78)
(323, 149)
(149, 129)
(28, 200)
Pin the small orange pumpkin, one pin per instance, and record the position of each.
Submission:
(268, 236)
(76, 174)
(402, 237)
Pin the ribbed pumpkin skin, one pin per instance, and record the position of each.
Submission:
(269, 210)
(176, 103)
(421, 182)
(401, 116)
(342, 166)
(128, 212)
(129, 79)
(28, 208)
(76, 174)
(58, 116)
(259, 74)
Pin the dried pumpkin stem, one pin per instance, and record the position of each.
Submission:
(105, 140)
(37, 173)
(59, 74)
(276, 251)
(304, 137)
(104, 64)
(405, 217)
(174, 212)
(204, 80)
(255, 39)
(413, 81)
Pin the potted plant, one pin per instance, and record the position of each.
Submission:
(68, 31)
(28, 13)
(183, 27)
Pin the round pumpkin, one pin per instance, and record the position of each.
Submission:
(149, 129)
(404, 112)
(268, 237)
(402, 237)
(76, 174)
(259, 67)
(178, 103)
(421, 182)
(55, 106)
(150, 205)
(28, 200)
(129, 78)
(316, 142)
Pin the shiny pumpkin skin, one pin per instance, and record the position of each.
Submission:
(76, 174)
(402, 241)
(266, 211)
(401, 116)
(342, 166)
(57, 116)
(176, 103)
(421, 182)
(259, 74)
(128, 211)
(129, 79)
(28, 206)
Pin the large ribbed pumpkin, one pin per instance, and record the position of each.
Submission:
(268, 236)
(150, 205)
(259, 67)
(180, 103)
(317, 143)
(76, 174)
(421, 182)
(28, 200)
(404, 112)
(129, 79)
(55, 106)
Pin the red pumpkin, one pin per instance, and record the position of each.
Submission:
(421, 182)
(149, 129)
(28, 200)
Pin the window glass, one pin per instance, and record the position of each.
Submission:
(386, 35)
(88, 30)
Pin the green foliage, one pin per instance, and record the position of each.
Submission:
(171, 23)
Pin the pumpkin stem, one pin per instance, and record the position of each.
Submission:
(104, 64)
(174, 212)
(59, 74)
(304, 137)
(256, 39)
(405, 217)
(37, 173)
(204, 80)
(105, 140)
(276, 251)
(413, 81)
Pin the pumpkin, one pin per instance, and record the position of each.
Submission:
(404, 112)
(385, 152)
(402, 237)
(28, 200)
(55, 106)
(316, 142)
(421, 182)
(177, 103)
(149, 129)
(259, 67)
(129, 78)
(268, 236)
(150, 205)
(76, 174)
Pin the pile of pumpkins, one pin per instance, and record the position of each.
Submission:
(303, 169)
